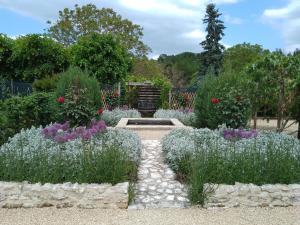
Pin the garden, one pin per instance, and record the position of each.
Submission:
(64, 129)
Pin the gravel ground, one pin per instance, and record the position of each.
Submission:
(192, 216)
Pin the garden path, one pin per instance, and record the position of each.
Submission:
(157, 186)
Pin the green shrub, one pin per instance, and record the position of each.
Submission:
(223, 100)
(203, 156)
(46, 84)
(103, 56)
(80, 96)
(23, 112)
(6, 46)
(103, 159)
(35, 57)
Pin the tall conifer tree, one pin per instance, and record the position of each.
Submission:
(213, 49)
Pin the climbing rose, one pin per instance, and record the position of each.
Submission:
(61, 99)
(215, 100)
(100, 111)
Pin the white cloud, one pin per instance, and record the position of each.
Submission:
(157, 7)
(195, 34)
(233, 20)
(170, 26)
(287, 20)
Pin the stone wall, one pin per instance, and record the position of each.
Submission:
(25, 195)
(250, 195)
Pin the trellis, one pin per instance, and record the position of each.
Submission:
(175, 104)
(109, 91)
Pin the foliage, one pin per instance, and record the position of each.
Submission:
(23, 112)
(188, 118)
(46, 84)
(80, 21)
(213, 50)
(81, 96)
(223, 100)
(181, 69)
(271, 77)
(112, 118)
(143, 67)
(203, 156)
(240, 56)
(6, 48)
(103, 56)
(35, 57)
(164, 85)
(110, 157)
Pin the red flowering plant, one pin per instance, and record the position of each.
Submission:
(61, 99)
(231, 109)
(223, 100)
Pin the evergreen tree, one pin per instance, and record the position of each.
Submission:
(213, 50)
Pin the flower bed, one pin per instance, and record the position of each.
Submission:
(112, 118)
(107, 157)
(187, 117)
(201, 156)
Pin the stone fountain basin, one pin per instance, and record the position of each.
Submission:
(150, 128)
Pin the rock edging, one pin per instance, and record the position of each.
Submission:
(250, 195)
(87, 196)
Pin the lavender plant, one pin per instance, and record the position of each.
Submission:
(109, 157)
(202, 156)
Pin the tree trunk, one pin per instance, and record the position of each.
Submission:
(255, 120)
(280, 108)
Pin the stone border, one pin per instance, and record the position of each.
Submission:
(87, 196)
(250, 195)
(150, 132)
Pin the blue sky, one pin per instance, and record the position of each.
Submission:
(174, 26)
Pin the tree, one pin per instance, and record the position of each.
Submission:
(146, 68)
(103, 56)
(238, 57)
(213, 50)
(35, 57)
(6, 46)
(181, 68)
(74, 23)
(276, 73)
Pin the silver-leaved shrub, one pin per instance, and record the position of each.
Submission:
(187, 118)
(112, 118)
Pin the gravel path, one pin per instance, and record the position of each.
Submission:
(193, 216)
(157, 187)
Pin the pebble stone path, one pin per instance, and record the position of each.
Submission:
(156, 186)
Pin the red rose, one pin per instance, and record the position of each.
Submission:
(215, 101)
(100, 111)
(61, 99)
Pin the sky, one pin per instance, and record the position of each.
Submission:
(173, 26)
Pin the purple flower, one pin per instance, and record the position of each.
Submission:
(86, 135)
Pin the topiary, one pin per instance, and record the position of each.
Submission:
(78, 97)
(223, 100)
